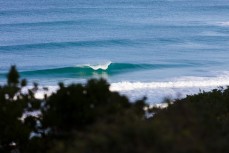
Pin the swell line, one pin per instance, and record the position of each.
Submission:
(51, 23)
(53, 45)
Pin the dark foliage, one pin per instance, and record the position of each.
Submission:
(91, 119)
(14, 131)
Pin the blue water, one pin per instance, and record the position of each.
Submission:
(137, 45)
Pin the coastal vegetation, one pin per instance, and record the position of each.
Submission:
(89, 118)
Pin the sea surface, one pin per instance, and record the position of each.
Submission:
(153, 48)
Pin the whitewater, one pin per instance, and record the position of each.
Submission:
(152, 48)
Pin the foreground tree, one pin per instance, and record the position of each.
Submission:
(14, 129)
(196, 124)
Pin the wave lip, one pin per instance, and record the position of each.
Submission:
(96, 66)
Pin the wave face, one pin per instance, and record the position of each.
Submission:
(87, 70)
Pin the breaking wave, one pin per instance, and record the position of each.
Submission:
(108, 68)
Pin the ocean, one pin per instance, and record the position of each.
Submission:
(152, 48)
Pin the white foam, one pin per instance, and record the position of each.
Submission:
(97, 66)
(156, 92)
(102, 66)
(226, 23)
(188, 82)
(40, 93)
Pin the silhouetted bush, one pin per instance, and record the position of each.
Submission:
(14, 130)
(89, 118)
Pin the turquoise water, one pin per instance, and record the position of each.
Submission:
(142, 47)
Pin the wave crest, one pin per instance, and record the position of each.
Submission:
(97, 66)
